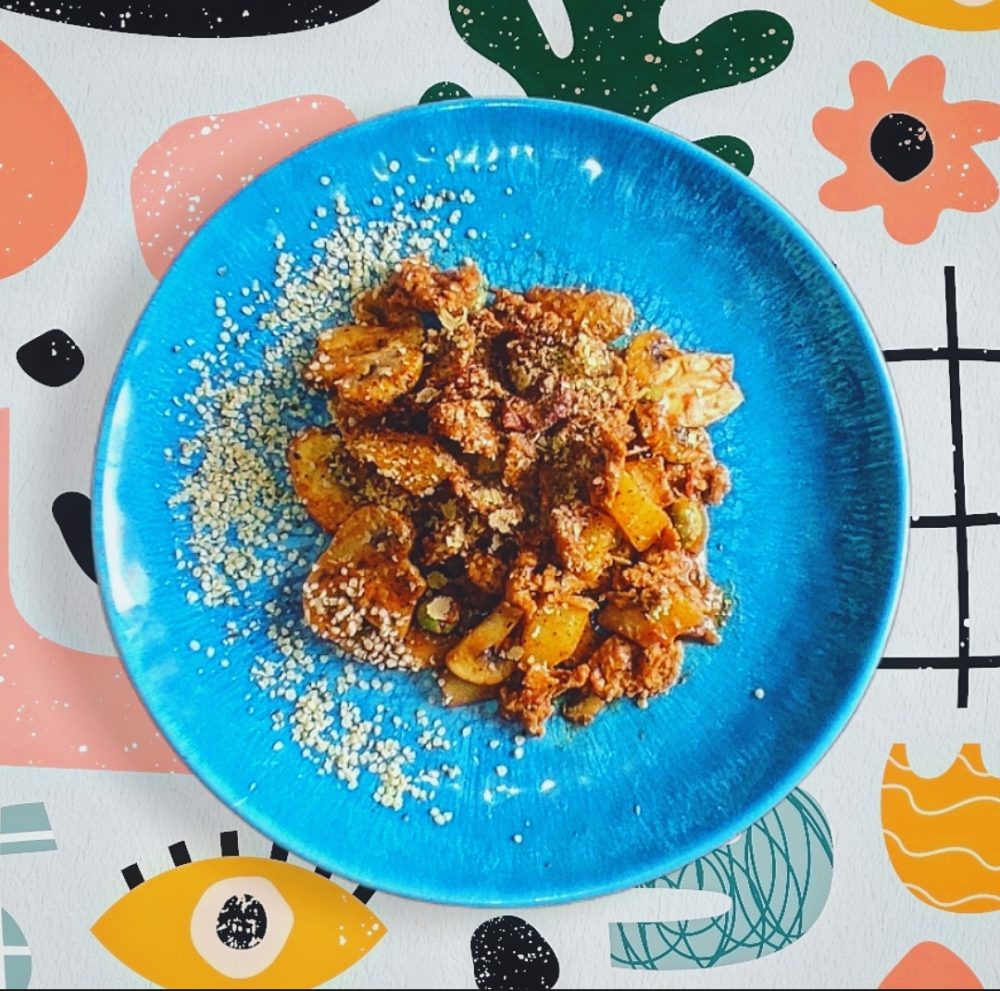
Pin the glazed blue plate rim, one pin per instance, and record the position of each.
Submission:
(368, 868)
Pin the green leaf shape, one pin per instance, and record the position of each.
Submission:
(730, 149)
(439, 92)
(620, 61)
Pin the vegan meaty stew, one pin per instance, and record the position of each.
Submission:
(514, 500)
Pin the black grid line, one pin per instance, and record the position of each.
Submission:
(961, 521)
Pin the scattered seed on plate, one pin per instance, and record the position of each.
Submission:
(248, 538)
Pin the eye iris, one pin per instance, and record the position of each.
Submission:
(242, 922)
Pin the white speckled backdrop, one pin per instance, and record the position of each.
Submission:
(887, 894)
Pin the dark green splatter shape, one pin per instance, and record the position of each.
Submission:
(620, 61)
(444, 91)
(730, 149)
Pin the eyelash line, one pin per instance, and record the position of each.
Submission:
(229, 845)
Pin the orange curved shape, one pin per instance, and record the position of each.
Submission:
(43, 170)
(931, 965)
(61, 707)
(956, 178)
(950, 14)
(196, 165)
(943, 834)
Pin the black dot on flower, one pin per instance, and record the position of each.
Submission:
(508, 952)
(902, 145)
(242, 922)
(52, 358)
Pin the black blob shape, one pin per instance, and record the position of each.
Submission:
(902, 145)
(508, 952)
(52, 358)
(72, 512)
(242, 922)
(193, 18)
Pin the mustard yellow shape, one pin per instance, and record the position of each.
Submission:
(948, 14)
(149, 929)
(942, 834)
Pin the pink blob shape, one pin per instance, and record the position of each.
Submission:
(61, 707)
(196, 165)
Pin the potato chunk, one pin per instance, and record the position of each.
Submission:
(412, 461)
(554, 631)
(364, 574)
(370, 367)
(664, 624)
(310, 462)
(641, 519)
(584, 538)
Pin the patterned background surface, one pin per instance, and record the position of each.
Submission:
(874, 121)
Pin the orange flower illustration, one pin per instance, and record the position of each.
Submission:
(907, 150)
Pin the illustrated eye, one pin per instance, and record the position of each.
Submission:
(236, 921)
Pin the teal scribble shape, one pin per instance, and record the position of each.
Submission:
(15, 957)
(777, 875)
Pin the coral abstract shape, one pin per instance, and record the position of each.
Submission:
(15, 957)
(61, 707)
(943, 834)
(199, 163)
(193, 18)
(43, 170)
(931, 966)
(955, 15)
(25, 828)
(777, 876)
(907, 150)
(235, 921)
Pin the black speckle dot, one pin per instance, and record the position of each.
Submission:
(72, 513)
(508, 952)
(242, 922)
(902, 145)
(52, 358)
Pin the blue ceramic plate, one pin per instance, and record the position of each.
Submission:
(810, 541)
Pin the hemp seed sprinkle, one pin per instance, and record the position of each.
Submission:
(248, 539)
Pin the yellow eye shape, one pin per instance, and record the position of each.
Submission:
(237, 922)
